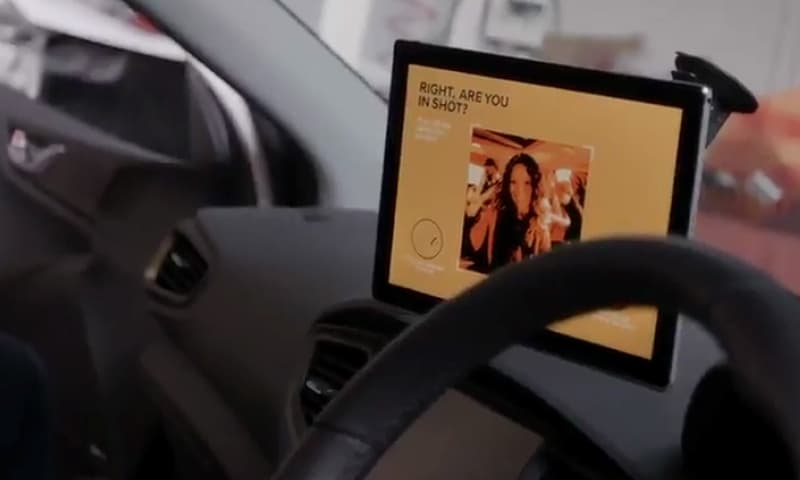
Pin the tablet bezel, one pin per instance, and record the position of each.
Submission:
(692, 99)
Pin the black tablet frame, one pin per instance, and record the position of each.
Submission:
(692, 99)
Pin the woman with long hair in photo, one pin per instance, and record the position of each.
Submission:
(518, 193)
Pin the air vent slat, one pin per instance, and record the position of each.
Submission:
(333, 364)
(312, 406)
(181, 268)
(330, 375)
(341, 353)
(315, 402)
(171, 280)
(340, 364)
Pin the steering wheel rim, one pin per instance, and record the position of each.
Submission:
(749, 314)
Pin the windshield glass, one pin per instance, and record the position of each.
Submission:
(750, 199)
(758, 41)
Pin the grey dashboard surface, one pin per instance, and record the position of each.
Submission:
(638, 426)
(273, 272)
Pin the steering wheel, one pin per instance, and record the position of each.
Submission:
(755, 320)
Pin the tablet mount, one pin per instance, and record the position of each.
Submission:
(729, 96)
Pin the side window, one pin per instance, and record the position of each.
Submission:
(104, 64)
(100, 62)
(135, 96)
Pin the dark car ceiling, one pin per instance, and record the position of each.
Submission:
(274, 61)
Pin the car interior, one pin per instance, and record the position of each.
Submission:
(183, 315)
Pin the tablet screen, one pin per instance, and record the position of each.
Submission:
(494, 171)
(492, 160)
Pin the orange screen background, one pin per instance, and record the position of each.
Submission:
(633, 148)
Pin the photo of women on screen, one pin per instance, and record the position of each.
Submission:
(524, 197)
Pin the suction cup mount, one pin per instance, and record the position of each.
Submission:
(729, 95)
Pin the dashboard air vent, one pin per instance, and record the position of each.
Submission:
(333, 364)
(178, 268)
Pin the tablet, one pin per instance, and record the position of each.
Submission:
(492, 160)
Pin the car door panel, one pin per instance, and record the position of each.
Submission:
(80, 223)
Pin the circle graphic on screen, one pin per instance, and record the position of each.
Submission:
(427, 239)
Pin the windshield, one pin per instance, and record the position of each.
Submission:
(757, 41)
(750, 199)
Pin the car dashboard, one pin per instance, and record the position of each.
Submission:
(268, 313)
